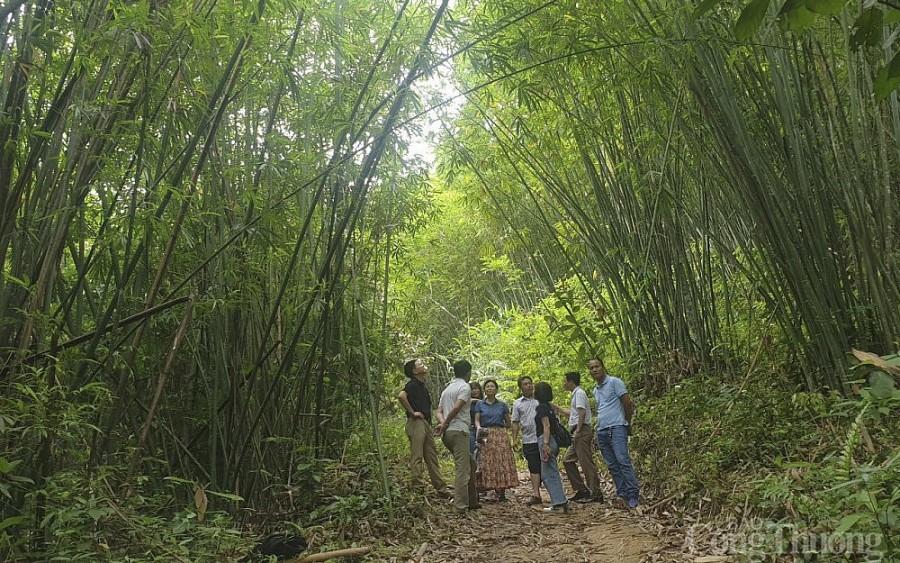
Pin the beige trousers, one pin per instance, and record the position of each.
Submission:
(423, 453)
(464, 493)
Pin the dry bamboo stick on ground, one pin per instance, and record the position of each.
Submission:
(326, 555)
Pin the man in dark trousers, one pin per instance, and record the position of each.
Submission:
(523, 412)
(416, 401)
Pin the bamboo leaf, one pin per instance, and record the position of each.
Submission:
(226, 496)
(848, 521)
(11, 521)
(751, 19)
(20, 282)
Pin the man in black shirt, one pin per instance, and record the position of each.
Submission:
(417, 403)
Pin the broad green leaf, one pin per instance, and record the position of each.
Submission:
(705, 7)
(799, 19)
(826, 7)
(867, 28)
(7, 466)
(882, 385)
(751, 19)
(790, 6)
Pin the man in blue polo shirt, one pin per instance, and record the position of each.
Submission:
(614, 410)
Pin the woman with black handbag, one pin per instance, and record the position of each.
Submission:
(546, 423)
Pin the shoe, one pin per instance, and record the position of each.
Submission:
(620, 503)
(444, 494)
(558, 508)
(476, 507)
(501, 497)
(533, 501)
(583, 495)
(597, 498)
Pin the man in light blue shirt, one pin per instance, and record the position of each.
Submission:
(614, 410)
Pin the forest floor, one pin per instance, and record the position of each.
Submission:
(510, 531)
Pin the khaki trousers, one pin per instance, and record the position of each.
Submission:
(464, 493)
(422, 449)
(582, 453)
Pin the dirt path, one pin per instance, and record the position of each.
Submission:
(509, 531)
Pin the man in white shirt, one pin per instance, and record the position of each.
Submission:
(582, 450)
(454, 417)
(523, 411)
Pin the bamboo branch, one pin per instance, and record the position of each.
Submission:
(326, 555)
(126, 321)
(160, 385)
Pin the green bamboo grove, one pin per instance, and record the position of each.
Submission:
(708, 191)
(203, 205)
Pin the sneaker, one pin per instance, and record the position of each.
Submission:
(583, 495)
(558, 508)
(533, 501)
(597, 498)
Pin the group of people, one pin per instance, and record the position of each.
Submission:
(473, 425)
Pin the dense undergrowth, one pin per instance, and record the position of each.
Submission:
(760, 456)
(105, 516)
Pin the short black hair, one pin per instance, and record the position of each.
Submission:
(599, 359)
(494, 381)
(523, 378)
(574, 377)
(543, 392)
(409, 366)
(462, 369)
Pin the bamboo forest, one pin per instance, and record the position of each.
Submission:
(236, 235)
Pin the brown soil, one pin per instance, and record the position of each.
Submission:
(510, 531)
